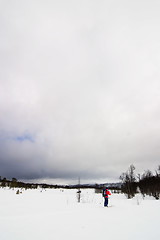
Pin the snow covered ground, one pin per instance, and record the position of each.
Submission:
(56, 214)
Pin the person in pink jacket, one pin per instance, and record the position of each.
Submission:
(105, 194)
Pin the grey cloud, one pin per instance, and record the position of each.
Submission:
(82, 79)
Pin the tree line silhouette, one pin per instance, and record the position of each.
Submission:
(147, 183)
(18, 184)
(14, 183)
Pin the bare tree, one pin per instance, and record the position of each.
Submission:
(79, 191)
(129, 182)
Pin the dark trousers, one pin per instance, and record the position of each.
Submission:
(105, 202)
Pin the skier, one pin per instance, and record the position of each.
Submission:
(105, 195)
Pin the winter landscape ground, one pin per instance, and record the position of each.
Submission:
(56, 214)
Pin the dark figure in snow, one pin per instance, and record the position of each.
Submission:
(105, 195)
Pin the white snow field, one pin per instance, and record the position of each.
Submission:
(56, 214)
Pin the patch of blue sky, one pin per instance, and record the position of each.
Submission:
(24, 137)
(10, 136)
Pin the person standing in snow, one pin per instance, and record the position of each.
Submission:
(105, 195)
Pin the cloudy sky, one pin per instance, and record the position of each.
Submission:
(79, 88)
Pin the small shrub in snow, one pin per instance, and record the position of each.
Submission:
(17, 191)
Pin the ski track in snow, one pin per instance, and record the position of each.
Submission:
(56, 214)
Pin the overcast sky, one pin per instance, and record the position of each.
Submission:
(79, 88)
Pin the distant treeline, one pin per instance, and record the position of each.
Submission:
(18, 184)
(14, 183)
(148, 183)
